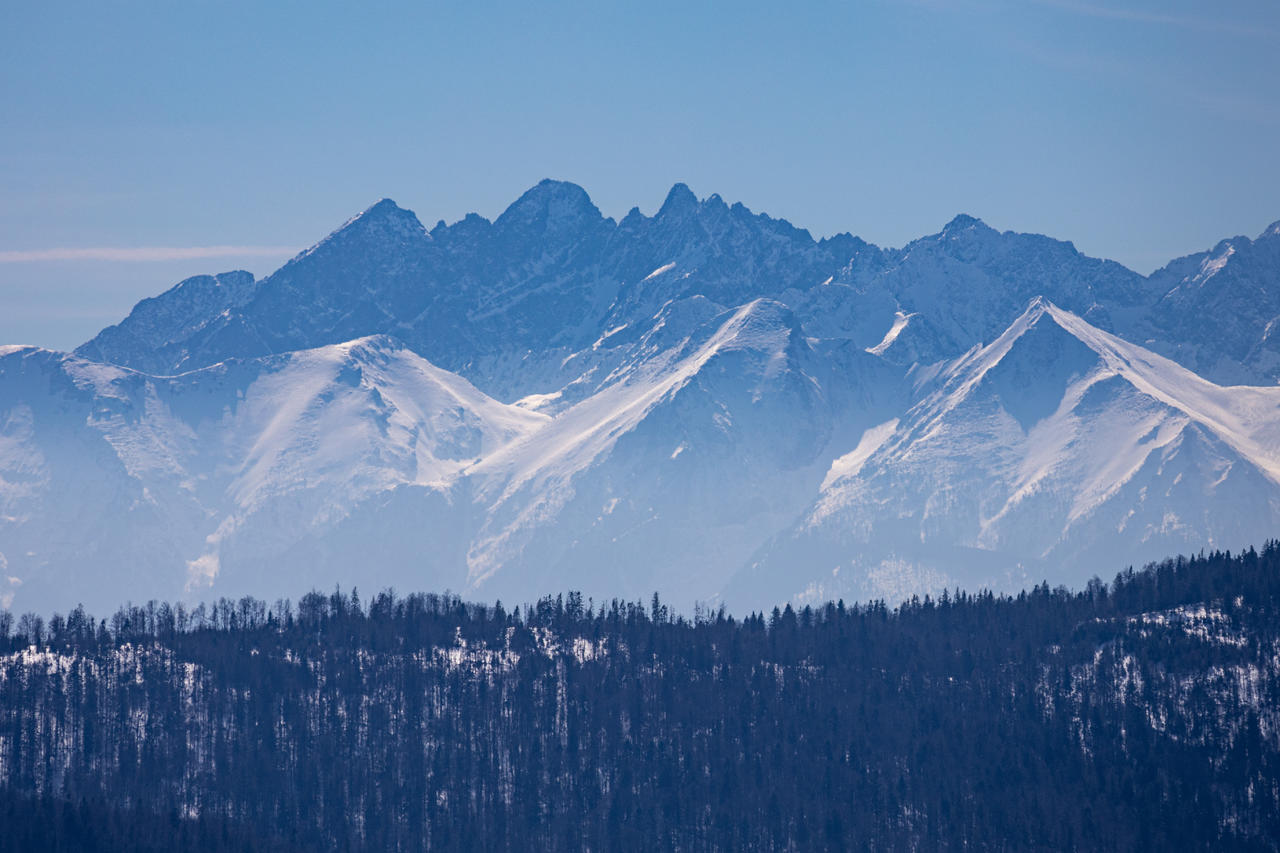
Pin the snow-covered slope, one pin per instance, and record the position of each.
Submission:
(117, 484)
(1057, 450)
(670, 475)
(706, 401)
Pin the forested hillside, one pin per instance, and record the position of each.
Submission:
(1140, 714)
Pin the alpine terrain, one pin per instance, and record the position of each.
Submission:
(706, 402)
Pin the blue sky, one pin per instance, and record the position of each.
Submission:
(206, 136)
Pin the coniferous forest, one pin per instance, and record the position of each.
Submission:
(1140, 714)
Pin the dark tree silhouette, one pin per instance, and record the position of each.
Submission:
(1143, 714)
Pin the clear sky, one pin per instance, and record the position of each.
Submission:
(206, 136)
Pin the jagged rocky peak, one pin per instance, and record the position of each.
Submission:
(232, 287)
(383, 222)
(712, 227)
(226, 288)
(964, 222)
(233, 281)
(965, 231)
(680, 201)
(714, 214)
(553, 272)
(550, 207)
(381, 208)
(385, 239)
(967, 239)
(159, 320)
(383, 211)
(633, 220)
(846, 245)
(1198, 267)
(469, 229)
(1252, 266)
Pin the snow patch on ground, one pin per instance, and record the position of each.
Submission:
(660, 270)
(851, 463)
(900, 321)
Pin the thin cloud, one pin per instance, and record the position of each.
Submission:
(142, 253)
(1190, 22)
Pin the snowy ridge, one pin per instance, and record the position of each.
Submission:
(1246, 418)
(275, 449)
(1055, 441)
(585, 431)
(705, 401)
(537, 470)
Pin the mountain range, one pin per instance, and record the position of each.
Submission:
(706, 402)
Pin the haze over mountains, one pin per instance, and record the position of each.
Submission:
(706, 402)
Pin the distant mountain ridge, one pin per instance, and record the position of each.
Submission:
(706, 401)
(552, 272)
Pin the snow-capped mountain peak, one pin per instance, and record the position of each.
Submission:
(706, 401)
(1052, 444)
